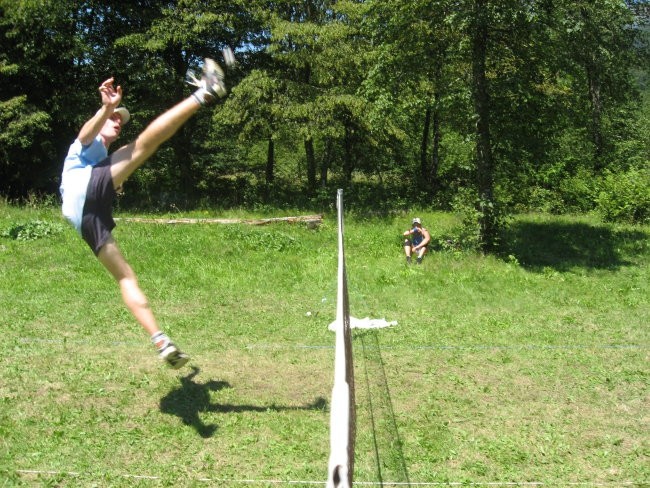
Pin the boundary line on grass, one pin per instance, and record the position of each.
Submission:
(434, 347)
(364, 483)
(468, 347)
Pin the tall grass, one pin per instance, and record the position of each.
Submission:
(531, 366)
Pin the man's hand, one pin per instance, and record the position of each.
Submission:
(111, 96)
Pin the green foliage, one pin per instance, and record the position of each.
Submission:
(569, 194)
(472, 213)
(20, 125)
(577, 193)
(625, 197)
(24, 132)
(375, 95)
(32, 230)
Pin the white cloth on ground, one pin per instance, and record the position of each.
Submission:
(366, 323)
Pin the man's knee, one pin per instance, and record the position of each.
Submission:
(132, 293)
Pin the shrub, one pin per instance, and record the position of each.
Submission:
(577, 192)
(30, 231)
(471, 210)
(625, 197)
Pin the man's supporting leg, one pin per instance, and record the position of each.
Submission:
(135, 300)
(137, 303)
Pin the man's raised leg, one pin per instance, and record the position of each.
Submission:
(128, 158)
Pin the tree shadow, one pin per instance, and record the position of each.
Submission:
(565, 246)
(193, 398)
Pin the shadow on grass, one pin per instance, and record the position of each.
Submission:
(193, 398)
(564, 246)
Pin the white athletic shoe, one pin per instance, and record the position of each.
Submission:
(173, 356)
(212, 80)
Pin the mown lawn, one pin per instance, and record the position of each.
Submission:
(530, 366)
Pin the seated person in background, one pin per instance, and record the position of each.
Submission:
(416, 241)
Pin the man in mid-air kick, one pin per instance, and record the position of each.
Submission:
(91, 178)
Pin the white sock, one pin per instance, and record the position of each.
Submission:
(201, 96)
(160, 340)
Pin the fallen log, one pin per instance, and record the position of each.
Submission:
(310, 220)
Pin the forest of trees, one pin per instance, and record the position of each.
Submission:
(496, 107)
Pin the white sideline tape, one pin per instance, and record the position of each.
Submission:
(364, 483)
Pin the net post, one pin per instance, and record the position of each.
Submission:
(342, 412)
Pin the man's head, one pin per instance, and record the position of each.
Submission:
(124, 114)
(417, 221)
(113, 125)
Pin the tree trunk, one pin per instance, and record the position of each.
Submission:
(270, 162)
(181, 143)
(593, 80)
(596, 115)
(435, 149)
(311, 164)
(269, 175)
(324, 167)
(348, 165)
(480, 95)
(424, 147)
(429, 165)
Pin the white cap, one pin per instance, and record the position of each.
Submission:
(416, 220)
(123, 113)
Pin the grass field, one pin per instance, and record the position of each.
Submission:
(531, 367)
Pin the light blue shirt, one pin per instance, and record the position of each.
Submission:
(77, 167)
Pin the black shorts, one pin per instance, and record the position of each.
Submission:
(97, 218)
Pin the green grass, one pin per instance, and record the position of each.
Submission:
(526, 367)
